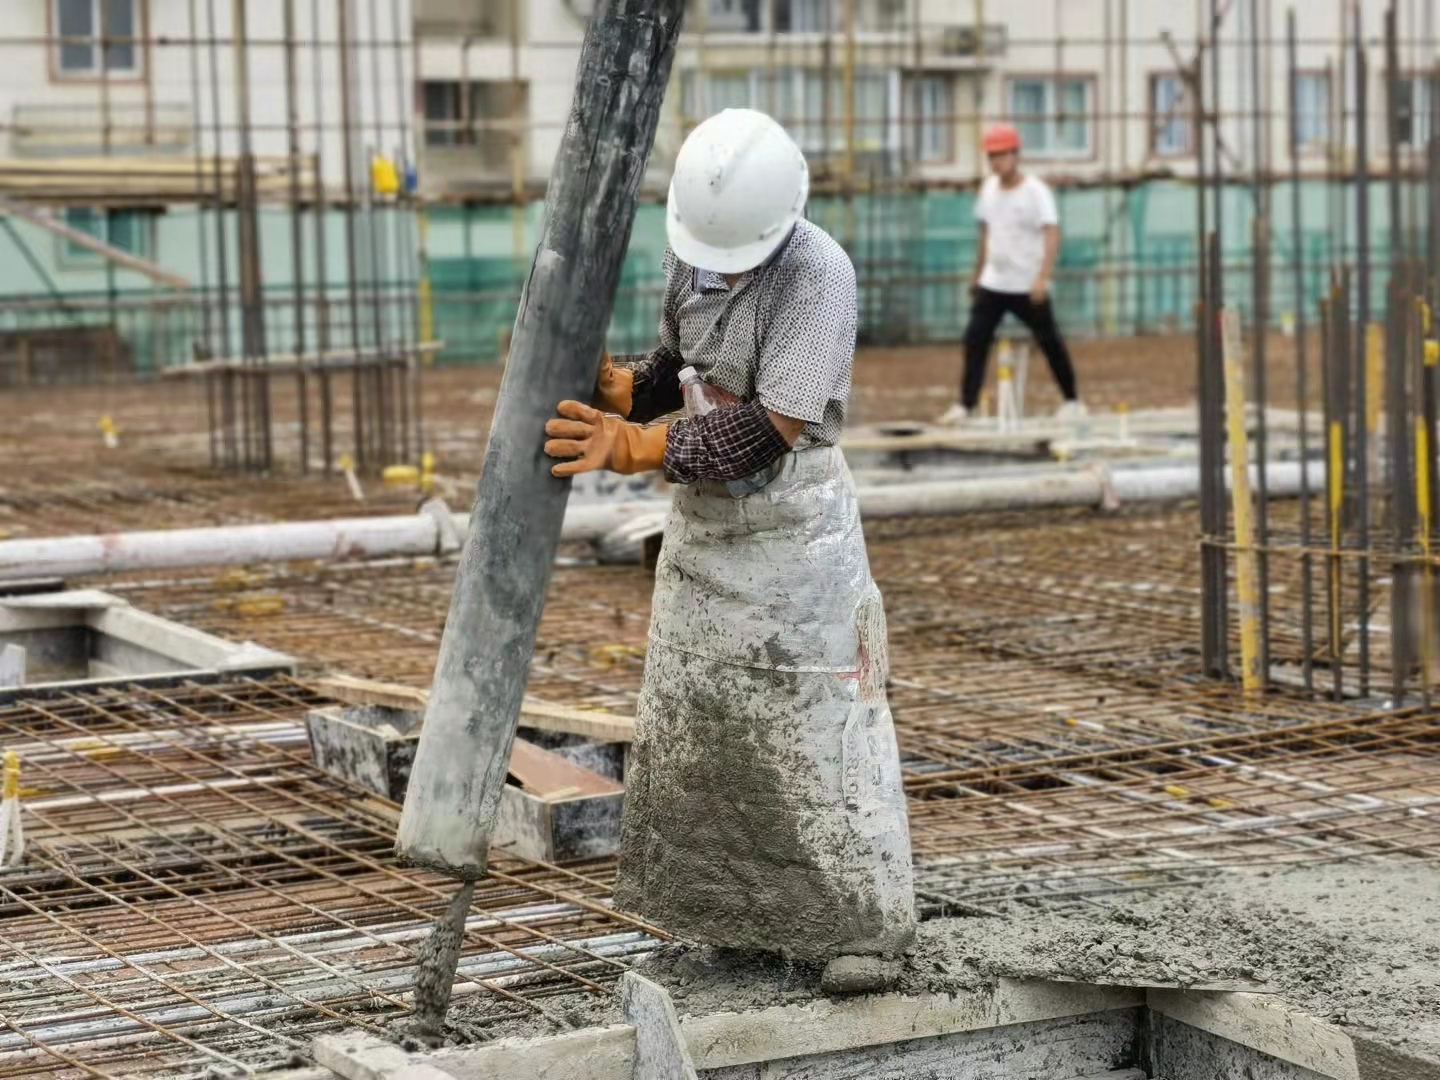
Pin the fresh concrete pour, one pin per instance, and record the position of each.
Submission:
(1351, 949)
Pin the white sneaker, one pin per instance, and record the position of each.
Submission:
(954, 416)
(1072, 410)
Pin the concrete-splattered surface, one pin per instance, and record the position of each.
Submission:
(1352, 944)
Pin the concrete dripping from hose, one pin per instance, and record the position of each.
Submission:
(437, 961)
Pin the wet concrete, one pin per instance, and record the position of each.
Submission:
(438, 958)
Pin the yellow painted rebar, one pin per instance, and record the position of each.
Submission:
(12, 775)
(1374, 377)
(1247, 577)
(1430, 351)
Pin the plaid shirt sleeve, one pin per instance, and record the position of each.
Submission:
(656, 390)
(727, 444)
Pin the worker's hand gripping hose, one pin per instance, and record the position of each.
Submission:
(614, 388)
(593, 440)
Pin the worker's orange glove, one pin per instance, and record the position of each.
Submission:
(597, 441)
(615, 388)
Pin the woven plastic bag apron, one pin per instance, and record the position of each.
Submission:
(763, 802)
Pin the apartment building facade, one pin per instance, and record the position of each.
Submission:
(903, 88)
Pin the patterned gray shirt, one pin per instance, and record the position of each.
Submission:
(785, 335)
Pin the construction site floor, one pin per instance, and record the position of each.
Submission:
(197, 896)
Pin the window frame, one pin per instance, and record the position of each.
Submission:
(71, 258)
(1091, 81)
(1418, 79)
(1155, 122)
(1319, 147)
(140, 18)
(945, 121)
(789, 110)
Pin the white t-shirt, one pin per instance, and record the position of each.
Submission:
(1015, 220)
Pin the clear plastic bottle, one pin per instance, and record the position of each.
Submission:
(700, 397)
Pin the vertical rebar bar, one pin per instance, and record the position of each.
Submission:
(1302, 396)
(1260, 316)
(352, 239)
(1361, 330)
(227, 377)
(197, 129)
(297, 231)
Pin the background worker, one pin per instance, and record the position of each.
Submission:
(763, 807)
(1019, 241)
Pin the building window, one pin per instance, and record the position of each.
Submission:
(1412, 100)
(719, 90)
(1170, 117)
(478, 113)
(444, 121)
(743, 15)
(931, 120)
(798, 99)
(804, 16)
(128, 230)
(1312, 109)
(1053, 114)
(81, 25)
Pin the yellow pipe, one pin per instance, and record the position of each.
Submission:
(1422, 506)
(1374, 377)
(1247, 588)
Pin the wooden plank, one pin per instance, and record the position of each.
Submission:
(602, 727)
(661, 1052)
(544, 715)
(550, 776)
(351, 690)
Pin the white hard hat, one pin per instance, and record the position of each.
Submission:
(739, 187)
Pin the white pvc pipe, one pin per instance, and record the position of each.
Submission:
(1077, 487)
(419, 534)
(64, 556)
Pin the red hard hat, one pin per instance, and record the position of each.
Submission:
(1000, 138)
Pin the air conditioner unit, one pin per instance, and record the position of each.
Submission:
(961, 41)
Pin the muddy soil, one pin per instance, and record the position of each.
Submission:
(1351, 944)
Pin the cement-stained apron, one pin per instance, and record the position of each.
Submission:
(763, 804)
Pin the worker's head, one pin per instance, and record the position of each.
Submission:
(1002, 147)
(740, 186)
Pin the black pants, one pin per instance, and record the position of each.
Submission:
(988, 309)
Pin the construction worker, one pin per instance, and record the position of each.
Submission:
(763, 805)
(1014, 261)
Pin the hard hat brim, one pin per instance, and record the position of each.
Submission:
(726, 260)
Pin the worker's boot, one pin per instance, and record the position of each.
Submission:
(859, 975)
